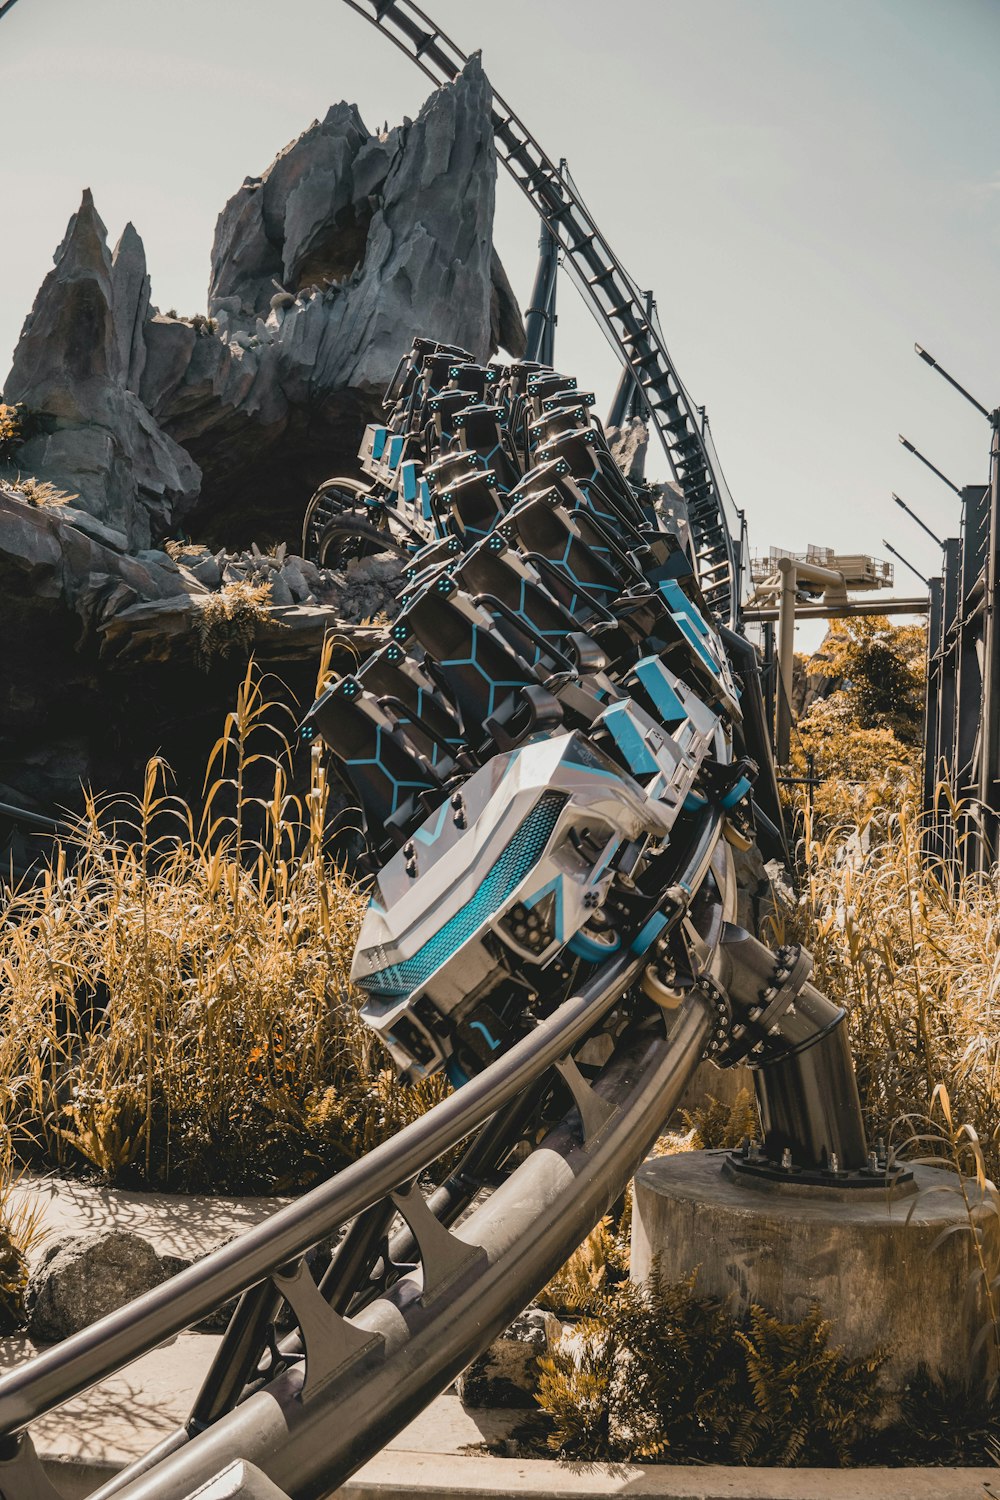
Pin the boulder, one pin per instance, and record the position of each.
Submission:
(86, 1276)
(507, 1374)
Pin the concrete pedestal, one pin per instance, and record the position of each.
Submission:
(856, 1253)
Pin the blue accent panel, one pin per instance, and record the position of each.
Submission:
(425, 500)
(648, 933)
(688, 621)
(478, 1026)
(652, 674)
(456, 1076)
(555, 886)
(585, 947)
(605, 860)
(428, 835)
(680, 603)
(378, 441)
(630, 742)
(687, 618)
(737, 794)
(395, 449)
(684, 621)
(408, 474)
(521, 854)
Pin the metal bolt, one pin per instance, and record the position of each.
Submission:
(834, 1163)
(786, 1159)
(872, 1162)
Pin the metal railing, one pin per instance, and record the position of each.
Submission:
(611, 293)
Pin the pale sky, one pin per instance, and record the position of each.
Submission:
(808, 186)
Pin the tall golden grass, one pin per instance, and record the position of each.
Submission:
(915, 955)
(174, 991)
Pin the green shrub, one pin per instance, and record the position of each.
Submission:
(658, 1371)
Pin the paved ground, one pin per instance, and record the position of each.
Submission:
(187, 1227)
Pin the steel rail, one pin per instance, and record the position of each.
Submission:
(113, 1342)
(56, 1376)
(611, 293)
(422, 1338)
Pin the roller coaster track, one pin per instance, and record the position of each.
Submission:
(390, 1290)
(612, 294)
(337, 1390)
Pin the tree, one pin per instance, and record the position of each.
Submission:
(879, 669)
(862, 734)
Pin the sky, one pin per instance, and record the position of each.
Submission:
(808, 188)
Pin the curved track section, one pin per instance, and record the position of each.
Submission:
(546, 758)
(612, 294)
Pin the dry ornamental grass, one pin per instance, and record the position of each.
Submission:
(175, 994)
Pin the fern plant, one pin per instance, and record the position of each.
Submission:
(809, 1404)
(661, 1372)
(722, 1127)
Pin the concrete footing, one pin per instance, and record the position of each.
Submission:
(875, 1263)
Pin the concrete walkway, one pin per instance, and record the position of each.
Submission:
(187, 1226)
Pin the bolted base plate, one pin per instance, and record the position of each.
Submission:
(758, 1171)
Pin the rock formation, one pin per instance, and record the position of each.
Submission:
(220, 427)
(76, 369)
(323, 270)
(86, 1276)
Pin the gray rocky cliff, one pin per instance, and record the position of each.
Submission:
(323, 270)
(76, 366)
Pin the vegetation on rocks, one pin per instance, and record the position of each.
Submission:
(228, 620)
(11, 430)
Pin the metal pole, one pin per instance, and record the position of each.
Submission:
(906, 563)
(770, 669)
(989, 757)
(933, 467)
(541, 311)
(914, 517)
(786, 660)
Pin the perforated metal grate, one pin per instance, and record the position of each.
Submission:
(524, 850)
